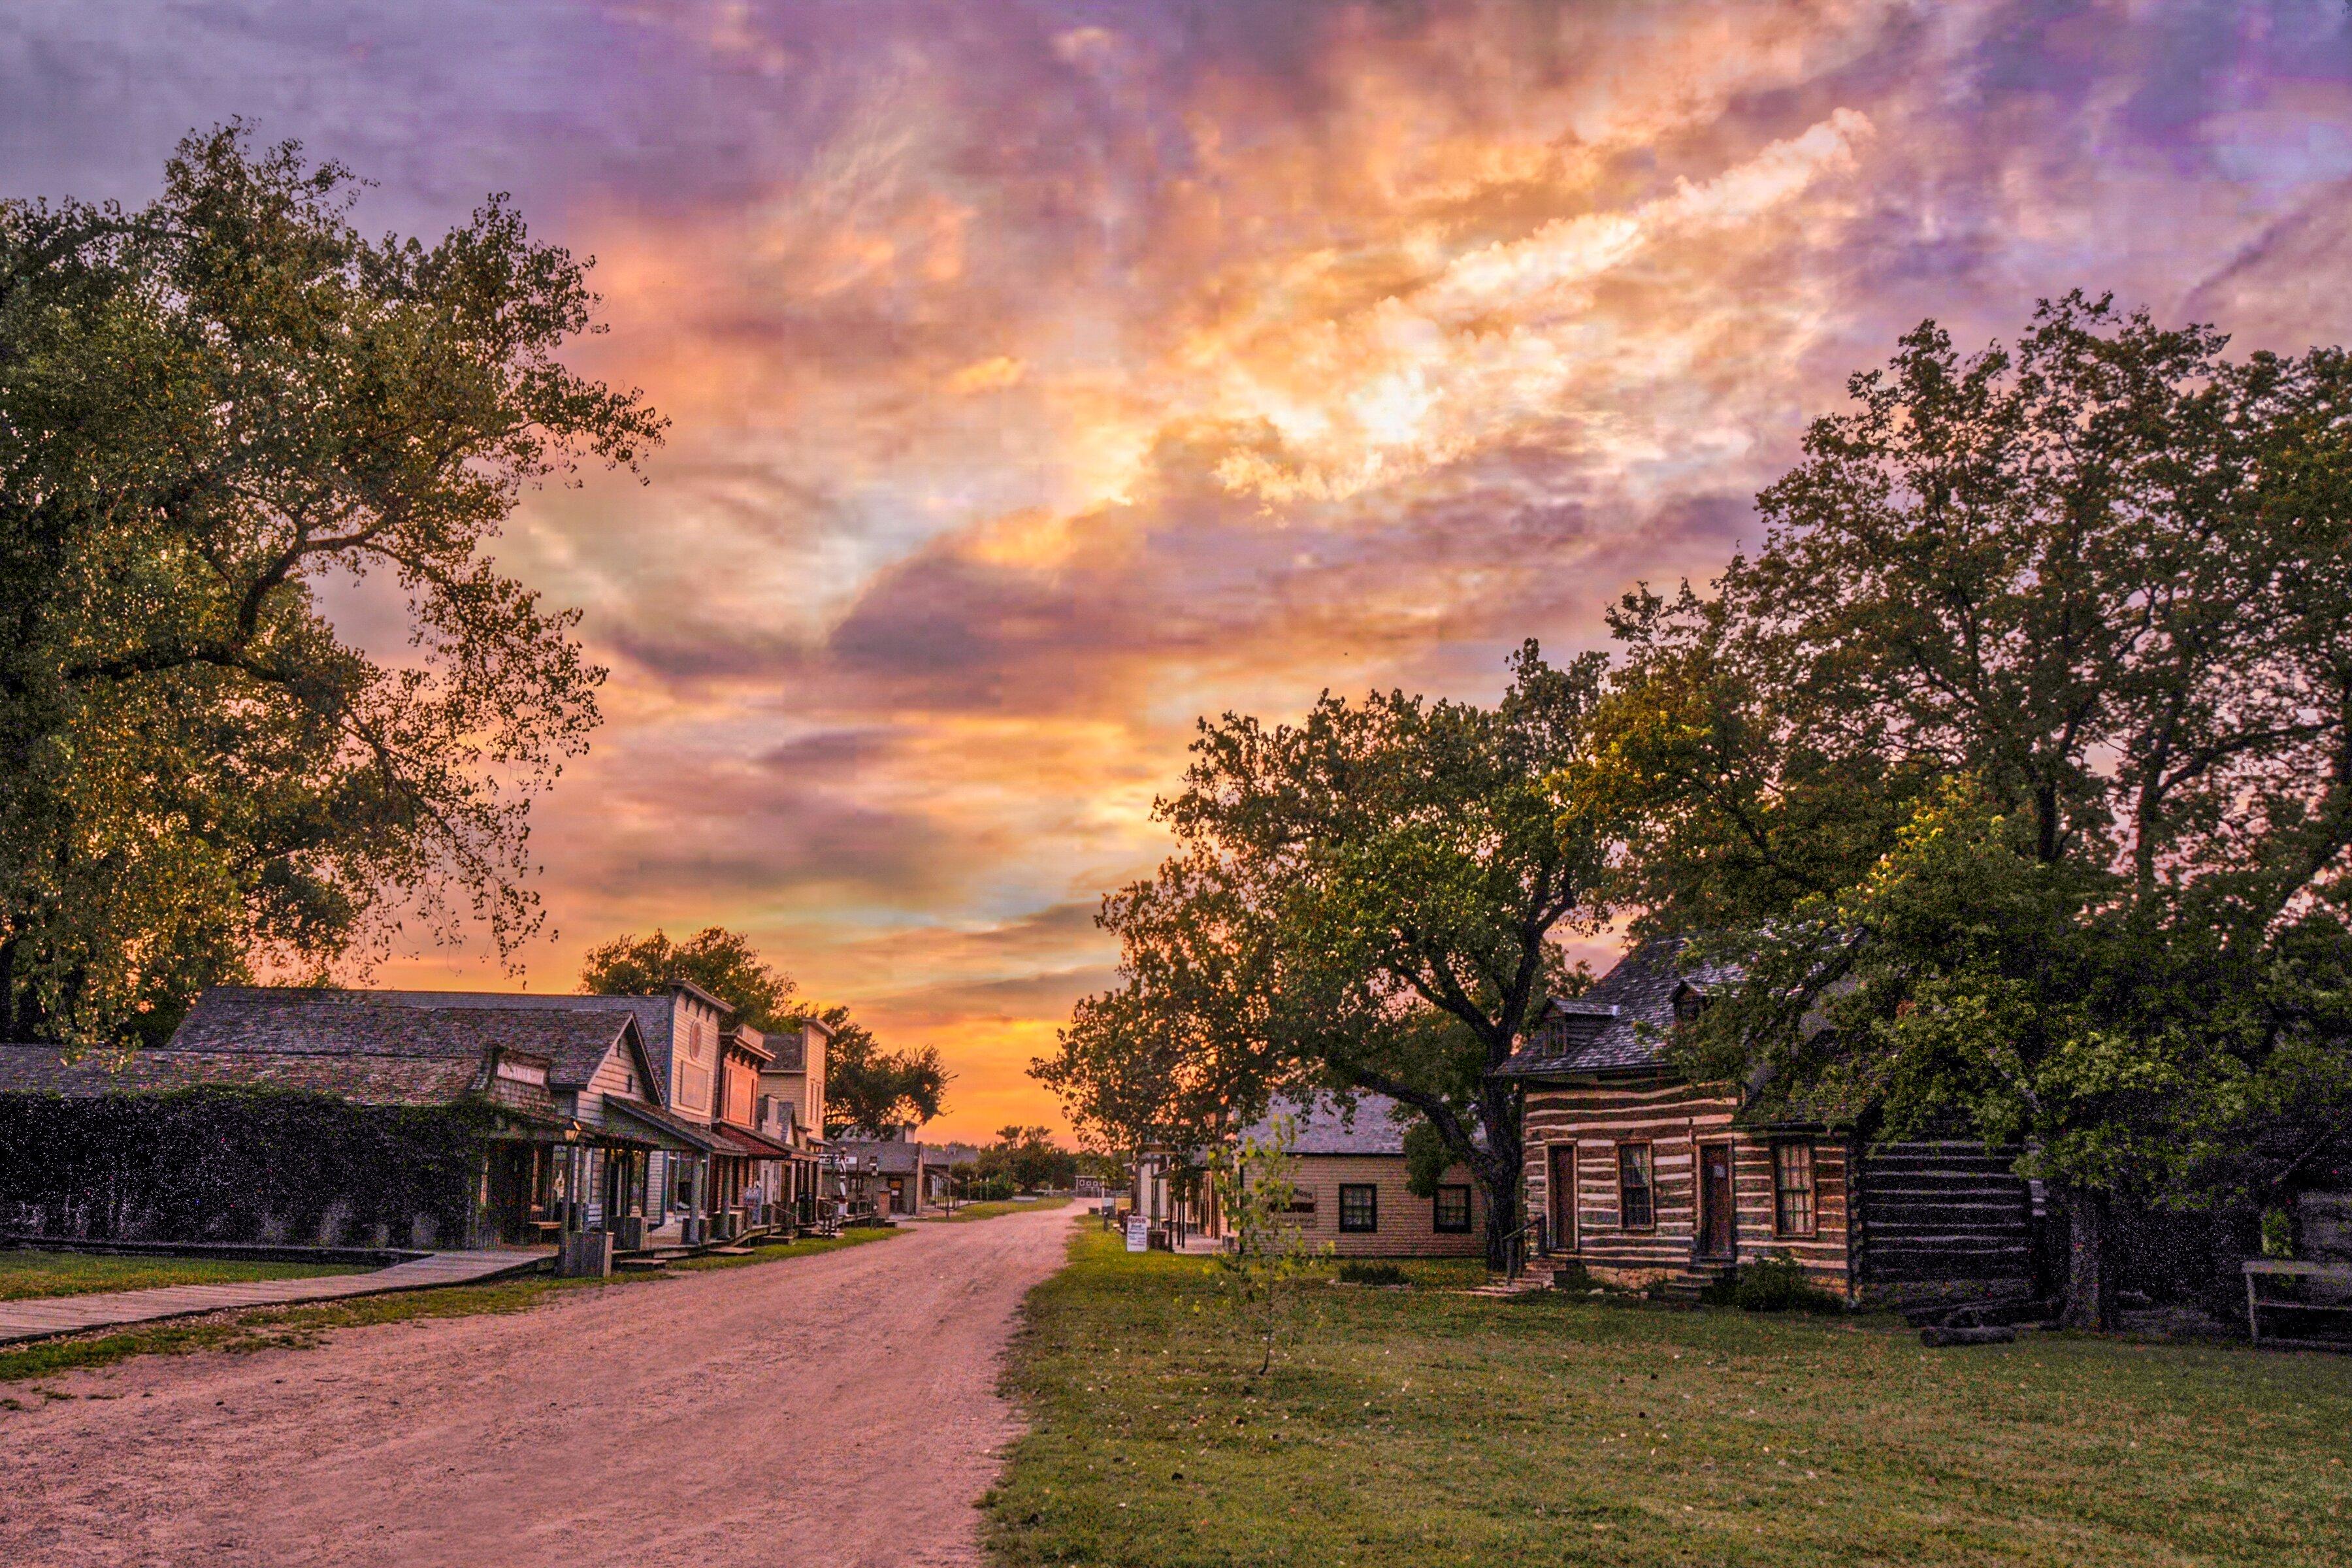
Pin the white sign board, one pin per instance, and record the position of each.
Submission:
(1138, 1235)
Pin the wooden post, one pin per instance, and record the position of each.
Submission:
(2254, 1325)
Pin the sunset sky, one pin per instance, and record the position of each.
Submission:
(1044, 375)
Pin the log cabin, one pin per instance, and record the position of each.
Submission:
(1645, 1178)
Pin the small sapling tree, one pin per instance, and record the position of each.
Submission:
(1270, 1255)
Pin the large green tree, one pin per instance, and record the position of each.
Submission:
(220, 415)
(722, 961)
(2017, 763)
(1367, 900)
(871, 1090)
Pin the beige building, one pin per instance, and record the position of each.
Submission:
(1351, 1186)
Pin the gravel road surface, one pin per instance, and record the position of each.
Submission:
(814, 1412)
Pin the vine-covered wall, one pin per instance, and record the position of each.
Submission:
(214, 1163)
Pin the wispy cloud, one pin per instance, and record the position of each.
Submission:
(1047, 373)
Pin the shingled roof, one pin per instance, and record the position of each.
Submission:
(1623, 1023)
(291, 1021)
(366, 1080)
(1321, 1127)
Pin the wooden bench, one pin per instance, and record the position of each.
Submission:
(2275, 1267)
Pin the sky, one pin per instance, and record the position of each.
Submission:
(1042, 376)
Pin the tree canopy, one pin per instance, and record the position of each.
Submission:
(2016, 766)
(1365, 900)
(871, 1090)
(722, 961)
(220, 415)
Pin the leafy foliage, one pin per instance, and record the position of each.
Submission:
(1268, 1255)
(722, 961)
(2017, 765)
(871, 1090)
(1769, 1284)
(218, 414)
(215, 1163)
(1366, 901)
(1027, 1160)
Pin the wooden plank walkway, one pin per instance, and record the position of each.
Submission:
(48, 1315)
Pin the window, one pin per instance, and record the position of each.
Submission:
(1359, 1206)
(684, 1171)
(1793, 1189)
(1452, 1212)
(1635, 1209)
(1688, 1004)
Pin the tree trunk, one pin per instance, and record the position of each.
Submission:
(1498, 1173)
(2090, 1259)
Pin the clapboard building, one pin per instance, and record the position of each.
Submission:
(1645, 1177)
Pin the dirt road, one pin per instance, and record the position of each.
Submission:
(835, 1410)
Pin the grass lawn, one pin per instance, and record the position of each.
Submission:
(26, 1274)
(997, 1210)
(1417, 1426)
(304, 1327)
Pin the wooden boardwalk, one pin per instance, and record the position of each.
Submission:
(48, 1315)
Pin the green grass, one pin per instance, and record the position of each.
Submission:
(997, 1210)
(1421, 1427)
(305, 1327)
(27, 1274)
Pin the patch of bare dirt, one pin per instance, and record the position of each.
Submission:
(826, 1412)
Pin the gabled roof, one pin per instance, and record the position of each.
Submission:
(1623, 1023)
(653, 1014)
(1376, 1125)
(291, 1021)
(894, 1156)
(1321, 1127)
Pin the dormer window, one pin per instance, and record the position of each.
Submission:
(1689, 1004)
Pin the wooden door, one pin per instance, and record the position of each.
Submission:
(1716, 1200)
(1561, 1189)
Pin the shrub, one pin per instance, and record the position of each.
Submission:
(1769, 1284)
(1574, 1276)
(1358, 1273)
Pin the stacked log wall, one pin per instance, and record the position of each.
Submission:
(1945, 1212)
(1675, 1118)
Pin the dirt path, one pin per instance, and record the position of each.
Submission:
(836, 1410)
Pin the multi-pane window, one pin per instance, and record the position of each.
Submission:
(1359, 1206)
(1637, 1208)
(1452, 1212)
(1793, 1189)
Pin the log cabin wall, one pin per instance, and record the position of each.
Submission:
(1945, 1212)
(1676, 1119)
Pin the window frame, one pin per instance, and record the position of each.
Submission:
(1372, 1194)
(1649, 1166)
(1437, 1209)
(1782, 1191)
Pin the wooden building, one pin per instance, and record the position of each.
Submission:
(545, 1170)
(1645, 1177)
